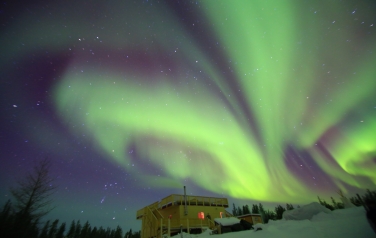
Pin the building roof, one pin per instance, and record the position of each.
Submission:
(227, 221)
(178, 200)
(249, 214)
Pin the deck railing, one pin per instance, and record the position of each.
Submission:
(176, 199)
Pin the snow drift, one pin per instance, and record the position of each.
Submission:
(305, 212)
(351, 222)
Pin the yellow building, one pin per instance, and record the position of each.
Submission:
(190, 214)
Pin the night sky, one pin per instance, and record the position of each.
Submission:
(255, 101)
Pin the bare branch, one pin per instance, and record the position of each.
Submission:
(33, 192)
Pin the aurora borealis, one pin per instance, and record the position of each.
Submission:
(265, 101)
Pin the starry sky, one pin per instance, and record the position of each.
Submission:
(256, 101)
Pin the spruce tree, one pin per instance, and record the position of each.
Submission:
(128, 234)
(325, 204)
(357, 201)
(53, 229)
(268, 215)
(289, 207)
(44, 232)
(60, 231)
(109, 232)
(234, 210)
(86, 230)
(94, 232)
(337, 205)
(101, 232)
(246, 210)
(77, 232)
(262, 213)
(261, 208)
(118, 232)
(72, 230)
(239, 212)
(369, 199)
(255, 209)
(279, 212)
(136, 234)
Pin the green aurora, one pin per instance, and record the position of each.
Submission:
(297, 85)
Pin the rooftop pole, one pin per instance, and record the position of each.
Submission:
(185, 202)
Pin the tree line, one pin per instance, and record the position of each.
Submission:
(259, 209)
(276, 214)
(33, 201)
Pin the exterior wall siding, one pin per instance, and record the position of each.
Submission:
(169, 212)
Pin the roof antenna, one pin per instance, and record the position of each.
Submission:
(185, 202)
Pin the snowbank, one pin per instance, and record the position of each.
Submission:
(305, 212)
(341, 223)
(227, 221)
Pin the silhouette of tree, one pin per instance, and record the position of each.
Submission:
(239, 212)
(337, 205)
(279, 211)
(269, 215)
(246, 210)
(289, 207)
(53, 229)
(60, 232)
(32, 201)
(72, 230)
(77, 232)
(86, 230)
(261, 208)
(44, 233)
(234, 210)
(325, 204)
(128, 234)
(118, 232)
(255, 209)
(6, 218)
(34, 191)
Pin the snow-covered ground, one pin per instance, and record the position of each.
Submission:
(350, 222)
